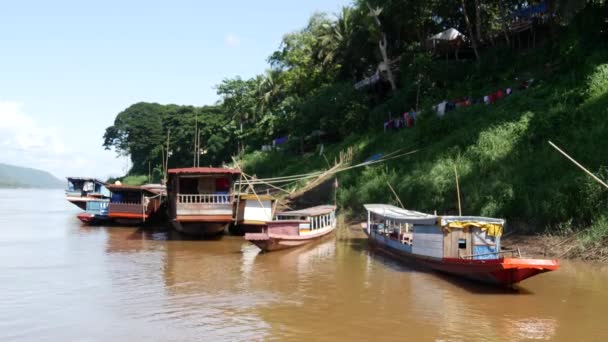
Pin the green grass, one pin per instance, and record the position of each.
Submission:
(506, 167)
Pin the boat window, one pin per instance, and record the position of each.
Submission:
(462, 243)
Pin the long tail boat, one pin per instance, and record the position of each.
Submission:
(464, 246)
(295, 228)
(96, 212)
(133, 205)
(81, 190)
(201, 201)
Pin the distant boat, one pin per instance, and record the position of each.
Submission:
(81, 190)
(253, 212)
(201, 201)
(133, 205)
(96, 212)
(465, 246)
(295, 228)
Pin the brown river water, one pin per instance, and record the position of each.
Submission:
(60, 281)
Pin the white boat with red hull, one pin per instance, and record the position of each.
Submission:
(295, 228)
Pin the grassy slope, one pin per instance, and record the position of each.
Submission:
(506, 167)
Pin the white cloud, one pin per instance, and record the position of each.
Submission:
(24, 142)
(232, 40)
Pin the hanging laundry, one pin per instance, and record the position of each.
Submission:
(413, 116)
(500, 94)
(440, 108)
(486, 99)
(509, 91)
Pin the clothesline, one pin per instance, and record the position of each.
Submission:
(446, 106)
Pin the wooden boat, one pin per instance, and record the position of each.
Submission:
(253, 212)
(96, 212)
(201, 201)
(81, 190)
(465, 246)
(295, 228)
(133, 205)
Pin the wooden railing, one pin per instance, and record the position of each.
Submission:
(205, 199)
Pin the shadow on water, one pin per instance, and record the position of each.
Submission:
(361, 245)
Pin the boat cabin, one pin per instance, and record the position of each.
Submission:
(134, 204)
(81, 189)
(254, 210)
(201, 195)
(452, 237)
(309, 221)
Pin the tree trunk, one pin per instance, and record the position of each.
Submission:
(503, 20)
(382, 44)
(470, 28)
(478, 19)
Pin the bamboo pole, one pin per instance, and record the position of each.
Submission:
(195, 140)
(162, 155)
(458, 191)
(395, 193)
(251, 186)
(579, 165)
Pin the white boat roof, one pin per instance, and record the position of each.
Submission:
(416, 217)
(313, 211)
(395, 213)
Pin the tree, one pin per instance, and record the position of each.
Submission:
(470, 29)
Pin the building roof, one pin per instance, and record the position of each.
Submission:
(312, 211)
(449, 34)
(416, 217)
(204, 171)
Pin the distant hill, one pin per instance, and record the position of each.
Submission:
(23, 177)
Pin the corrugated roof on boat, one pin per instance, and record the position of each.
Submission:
(312, 211)
(86, 179)
(204, 170)
(395, 213)
(411, 216)
(149, 188)
(449, 219)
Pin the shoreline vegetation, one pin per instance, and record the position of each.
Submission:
(304, 111)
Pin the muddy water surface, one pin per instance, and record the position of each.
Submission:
(62, 281)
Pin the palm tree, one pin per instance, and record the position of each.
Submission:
(336, 39)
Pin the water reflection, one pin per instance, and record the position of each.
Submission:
(62, 281)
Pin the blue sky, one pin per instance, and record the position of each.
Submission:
(68, 67)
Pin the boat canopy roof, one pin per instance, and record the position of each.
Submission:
(85, 179)
(450, 220)
(312, 211)
(416, 217)
(262, 197)
(204, 171)
(151, 188)
(395, 213)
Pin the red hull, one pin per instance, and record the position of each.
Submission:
(504, 271)
(501, 272)
(91, 219)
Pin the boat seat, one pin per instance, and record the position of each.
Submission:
(407, 238)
